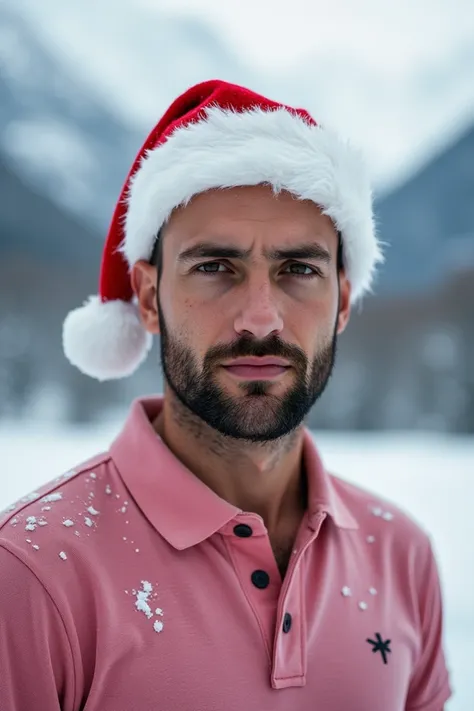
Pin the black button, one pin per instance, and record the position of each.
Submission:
(260, 579)
(287, 622)
(242, 530)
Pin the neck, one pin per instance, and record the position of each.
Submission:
(264, 478)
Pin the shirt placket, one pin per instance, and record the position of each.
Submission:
(289, 647)
(278, 607)
(252, 556)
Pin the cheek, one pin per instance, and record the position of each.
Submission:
(195, 324)
(202, 317)
(178, 309)
(312, 328)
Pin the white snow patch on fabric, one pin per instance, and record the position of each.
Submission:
(68, 523)
(63, 556)
(380, 513)
(66, 475)
(52, 497)
(142, 604)
(30, 497)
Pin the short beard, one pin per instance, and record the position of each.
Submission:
(256, 416)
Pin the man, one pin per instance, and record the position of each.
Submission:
(208, 561)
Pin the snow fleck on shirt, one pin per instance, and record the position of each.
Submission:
(52, 497)
(200, 618)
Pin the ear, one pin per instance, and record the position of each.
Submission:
(344, 302)
(144, 281)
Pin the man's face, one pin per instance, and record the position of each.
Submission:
(215, 307)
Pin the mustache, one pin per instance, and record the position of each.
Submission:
(247, 346)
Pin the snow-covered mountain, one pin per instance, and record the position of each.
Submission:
(135, 58)
(80, 87)
(72, 132)
(59, 136)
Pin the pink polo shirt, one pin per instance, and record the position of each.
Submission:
(128, 585)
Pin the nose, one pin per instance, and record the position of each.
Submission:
(260, 314)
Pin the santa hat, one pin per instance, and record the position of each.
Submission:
(216, 135)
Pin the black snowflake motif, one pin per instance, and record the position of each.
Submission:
(380, 646)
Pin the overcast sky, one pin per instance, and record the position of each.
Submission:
(396, 34)
(395, 77)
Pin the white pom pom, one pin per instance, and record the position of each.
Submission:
(105, 340)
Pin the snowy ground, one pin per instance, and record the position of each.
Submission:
(431, 477)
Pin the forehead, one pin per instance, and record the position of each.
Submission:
(249, 215)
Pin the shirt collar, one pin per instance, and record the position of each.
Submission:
(324, 489)
(183, 509)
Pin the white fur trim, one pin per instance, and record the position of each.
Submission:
(230, 149)
(105, 340)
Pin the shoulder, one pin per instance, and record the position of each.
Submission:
(377, 514)
(64, 543)
(45, 585)
(57, 489)
(40, 527)
(390, 539)
(391, 545)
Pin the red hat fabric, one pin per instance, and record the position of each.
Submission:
(216, 135)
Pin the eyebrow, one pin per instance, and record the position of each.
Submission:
(306, 250)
